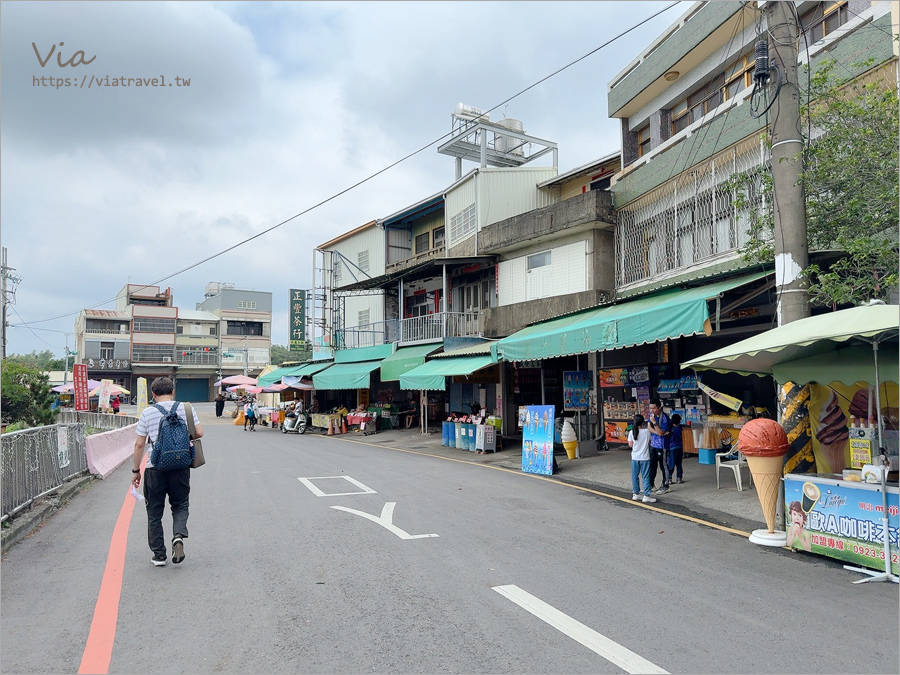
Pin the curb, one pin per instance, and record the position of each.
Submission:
(29, 520)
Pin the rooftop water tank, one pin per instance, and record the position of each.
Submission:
(510, 144)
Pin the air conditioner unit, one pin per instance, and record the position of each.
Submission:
(167, 359)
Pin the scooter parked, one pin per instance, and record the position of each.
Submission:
(295, 423)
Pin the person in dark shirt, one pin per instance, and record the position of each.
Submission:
(676, 450)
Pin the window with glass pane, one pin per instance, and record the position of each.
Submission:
(422, 242)
(439, 237)
(643, 141)
(538, 260)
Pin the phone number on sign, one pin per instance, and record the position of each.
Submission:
(873, 552)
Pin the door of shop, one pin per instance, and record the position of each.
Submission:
(191, 389)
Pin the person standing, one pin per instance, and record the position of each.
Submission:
(176, 485)
(659, 426)
(115, 404)
(220, 404)
(639, 442)
(676, 450)
(250, 414)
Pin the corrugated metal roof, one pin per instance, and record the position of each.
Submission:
(108, 313)
(583, 170)
(472, 350)
(733, 265)
(196, 315)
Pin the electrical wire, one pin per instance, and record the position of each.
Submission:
(13, 308)
(375, 174)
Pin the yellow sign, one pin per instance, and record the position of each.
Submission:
(860, 452)
(141, 394)
(724, 399)
(362, 397)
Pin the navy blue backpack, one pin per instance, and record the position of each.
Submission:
(172, 449)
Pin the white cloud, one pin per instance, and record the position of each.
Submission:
(289, 103)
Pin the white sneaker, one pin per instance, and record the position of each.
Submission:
(635, 497)
(648, 500)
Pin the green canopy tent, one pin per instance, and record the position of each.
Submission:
(825, 348)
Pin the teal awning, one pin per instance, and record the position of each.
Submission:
(432, 374)
(660, 316)
(273, 377)
(357, 354)
(307, 369)
(404, 360)
(346, 375)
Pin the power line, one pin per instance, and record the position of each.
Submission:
(377, 173)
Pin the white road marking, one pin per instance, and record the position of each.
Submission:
(363, 489)
(610, 650)
(386, 520)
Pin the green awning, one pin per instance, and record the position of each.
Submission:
(346, 375)
(404, 360)
(307, 369)
(660, 316)
(273, 377)
(357, 354)
(431, 375)
(803, 348)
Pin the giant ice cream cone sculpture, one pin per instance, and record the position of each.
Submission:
(764, 443)
(833, 434)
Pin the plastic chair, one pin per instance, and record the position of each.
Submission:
(734, 464)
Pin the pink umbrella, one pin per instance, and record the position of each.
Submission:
(236, 379)
(239, 387)
(66, 388)
(114, 390)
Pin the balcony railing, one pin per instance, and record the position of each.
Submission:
(429, 328)
(106, 331)
(415, 259)
(198, 359)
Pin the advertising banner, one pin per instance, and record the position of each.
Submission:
(105, 392)
(297, 319)
(80, 384)
(616, 432)
(537, 439)
(840, 521)
(576, 389)
(141, 394)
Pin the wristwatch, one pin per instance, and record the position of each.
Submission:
(135, 471)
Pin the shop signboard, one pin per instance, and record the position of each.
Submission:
(860, 452)
(537, 439)
(616, 432)
(576, 389)
(624, 377)
(80, 384)
(831, 518)
(297, 319)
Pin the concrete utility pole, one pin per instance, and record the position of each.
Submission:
(789, 208)
(8, 283)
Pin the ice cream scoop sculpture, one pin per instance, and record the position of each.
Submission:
(765, 444)
(833, 434)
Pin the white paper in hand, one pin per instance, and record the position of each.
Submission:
(137, 495)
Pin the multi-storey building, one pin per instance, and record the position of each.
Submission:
(244, 329)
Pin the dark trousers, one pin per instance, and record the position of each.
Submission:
(220, 407)
(157, 485)
(658, 460)
(676, 455)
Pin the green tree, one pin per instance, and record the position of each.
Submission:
(43, 361)
(850, 186)
(279, 354)
(25, 395)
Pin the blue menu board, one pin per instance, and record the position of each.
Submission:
(576, 389)
(537, 440)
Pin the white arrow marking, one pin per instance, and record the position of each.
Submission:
(385, 520)
(610, 650)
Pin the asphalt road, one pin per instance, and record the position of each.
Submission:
(524, 575)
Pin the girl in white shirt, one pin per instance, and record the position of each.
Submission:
(639, 441)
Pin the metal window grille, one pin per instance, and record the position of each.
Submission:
(152, 353)
(147, 325)
(689, 218)
(363, 260)
(363, 317)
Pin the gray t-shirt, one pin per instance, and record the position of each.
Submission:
(148, 424)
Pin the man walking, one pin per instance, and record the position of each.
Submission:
(158, 484)
(659, 425)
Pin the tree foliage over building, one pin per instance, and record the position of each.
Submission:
(279, 354)
(42, 361)
(850, 183)
(25, 395)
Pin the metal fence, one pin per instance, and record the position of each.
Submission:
(37, 461)
(103, 421)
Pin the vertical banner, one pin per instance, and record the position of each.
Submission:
(537, 439)
(576, 389)
(80, 384)
(297, 318)
(141, 394)
(105, 392)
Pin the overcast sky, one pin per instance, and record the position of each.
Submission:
(288, 104)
